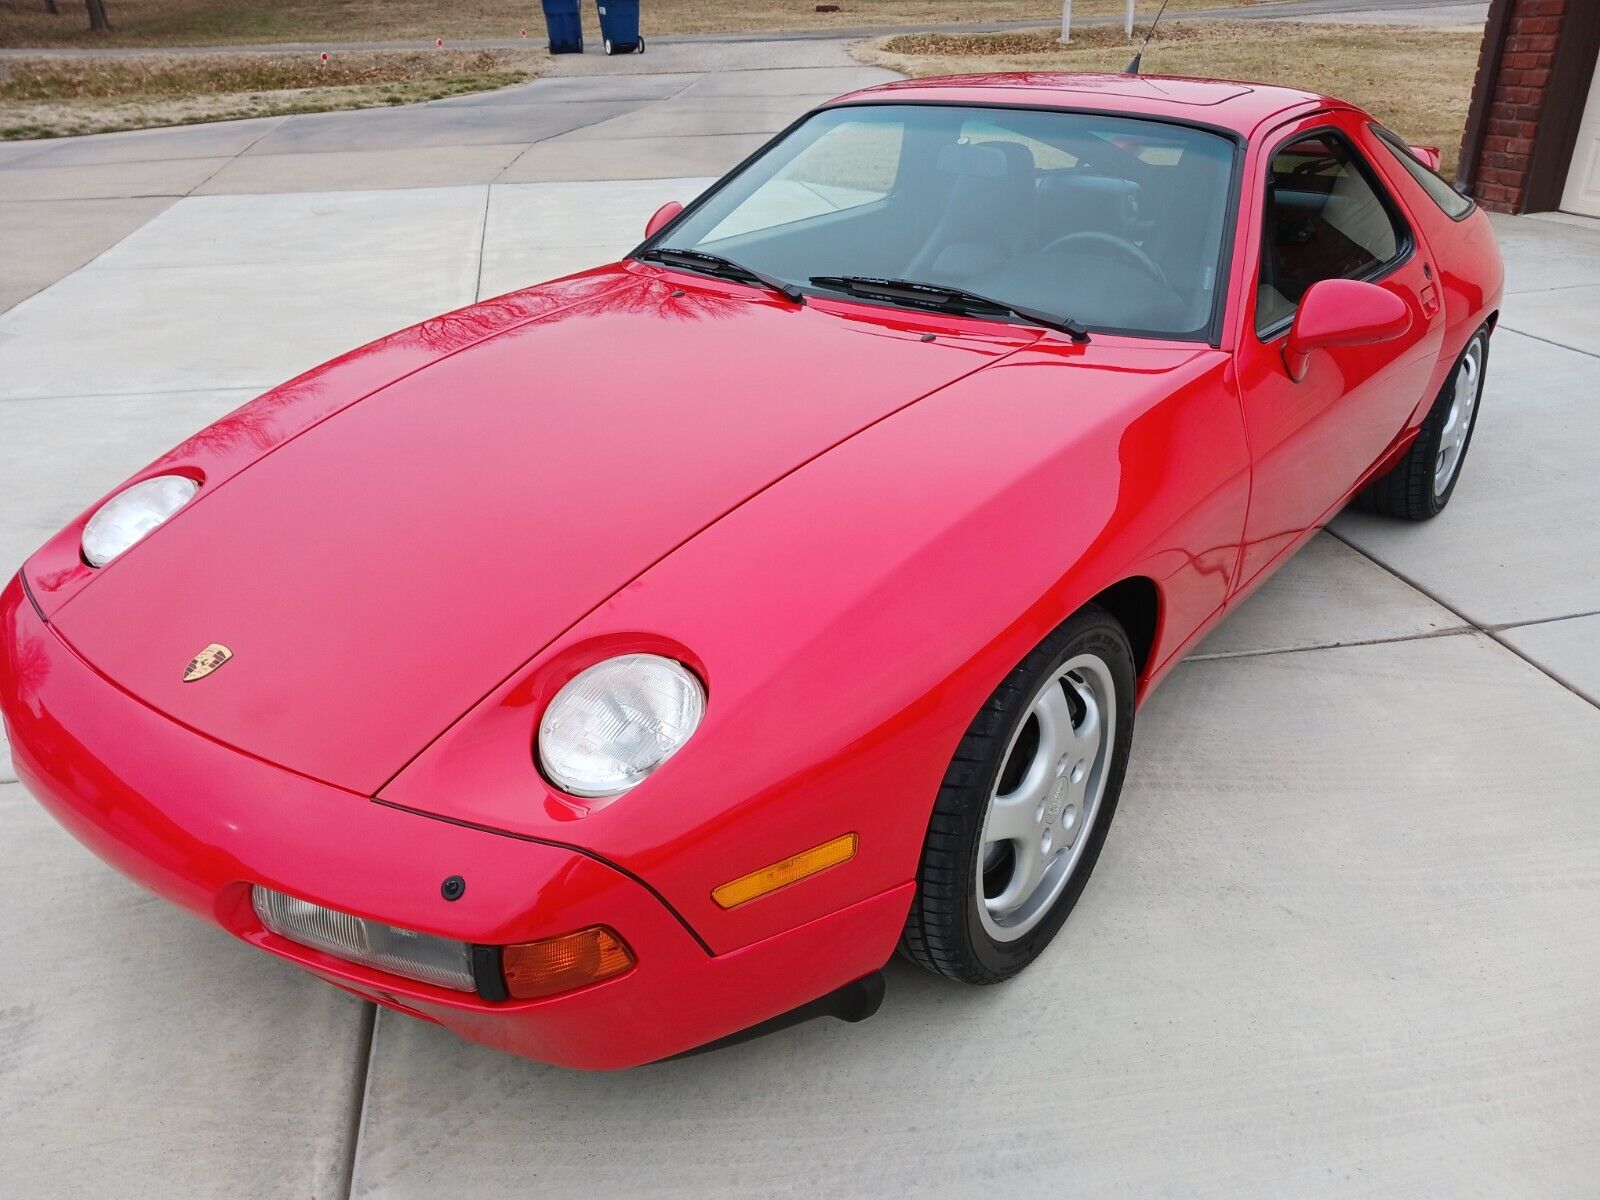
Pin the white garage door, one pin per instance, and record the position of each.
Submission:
(1583, 176)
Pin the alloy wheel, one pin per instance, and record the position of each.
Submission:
(1046, 798)
(1458, 422)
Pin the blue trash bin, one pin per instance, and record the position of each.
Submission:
(563, 22)
(619, 26)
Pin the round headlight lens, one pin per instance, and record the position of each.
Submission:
(132, 515)
(618, 721)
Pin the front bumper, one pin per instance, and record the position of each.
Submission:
(200, 822)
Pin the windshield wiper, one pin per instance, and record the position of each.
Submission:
(723, 268)
(938, 295)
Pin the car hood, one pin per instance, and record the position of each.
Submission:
(380, 572)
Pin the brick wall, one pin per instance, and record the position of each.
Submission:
(1520, 86)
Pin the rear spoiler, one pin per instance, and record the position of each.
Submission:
(1428, 155)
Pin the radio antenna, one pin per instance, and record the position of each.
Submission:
(1133, 67)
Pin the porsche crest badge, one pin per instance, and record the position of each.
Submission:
(207, 661)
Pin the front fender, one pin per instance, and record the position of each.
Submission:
(850, 621)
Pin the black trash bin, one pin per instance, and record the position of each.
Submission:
(619, 26)
(563, 22)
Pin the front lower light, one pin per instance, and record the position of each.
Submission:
(617, 722)
(421, 956)
(561, 964)
(133, 514)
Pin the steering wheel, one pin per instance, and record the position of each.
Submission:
(1122, 246)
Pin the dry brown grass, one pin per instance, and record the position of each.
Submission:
(49, 97)
(1030, 42)
(1415, 80)
(224, 22)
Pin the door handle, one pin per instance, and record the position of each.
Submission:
(1429, 294)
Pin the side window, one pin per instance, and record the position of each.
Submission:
(1325, 218)
(850, 164)
(1446, 197)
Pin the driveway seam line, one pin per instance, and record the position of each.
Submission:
(521, 154)
(128, 196)
(85, 266)
(284, 120)
(1549, 341)
(21, 300)
(363, 1086)
(1560, 287)
(188, 391)
(268, 155)
(1503, 626)
(501, 177)
(483, 240)
(669, 137)
(51, 143)
(1488, 631)
(7, 200)
(1224, 655)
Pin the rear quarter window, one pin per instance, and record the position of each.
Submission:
(1441, 193)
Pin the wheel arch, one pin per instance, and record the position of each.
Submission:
(1136, 604)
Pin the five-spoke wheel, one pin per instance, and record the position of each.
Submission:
(1024, 808)
(1047, 797)
(1464, 391)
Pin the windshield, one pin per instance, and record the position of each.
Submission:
(1114, 221)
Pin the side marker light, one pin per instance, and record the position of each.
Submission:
(781, 874)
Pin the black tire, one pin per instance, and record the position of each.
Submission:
(1409, 489)
(607, 47)
(639, 46)
(944, 931)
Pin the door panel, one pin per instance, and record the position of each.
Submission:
(1311, 441)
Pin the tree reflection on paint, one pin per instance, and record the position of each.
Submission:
(255, 424)
(30, 667)
(610, 290)
(287, 410)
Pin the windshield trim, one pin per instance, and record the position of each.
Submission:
(1209, 334)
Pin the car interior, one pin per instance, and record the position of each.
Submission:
(1325, 219)
(1116, 222)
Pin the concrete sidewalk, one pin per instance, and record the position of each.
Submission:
(688, 110)
(1345, 935)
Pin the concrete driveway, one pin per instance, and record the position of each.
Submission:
(1344, 938)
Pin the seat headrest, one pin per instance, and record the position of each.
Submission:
(1074, 203)
(987, 160)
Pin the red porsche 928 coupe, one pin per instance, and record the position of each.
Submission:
(636, 661)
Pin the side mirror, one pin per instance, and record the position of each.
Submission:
(1342, 312)
(663, 214)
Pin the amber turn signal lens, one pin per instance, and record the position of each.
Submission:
(560, 964)
(781, 874)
